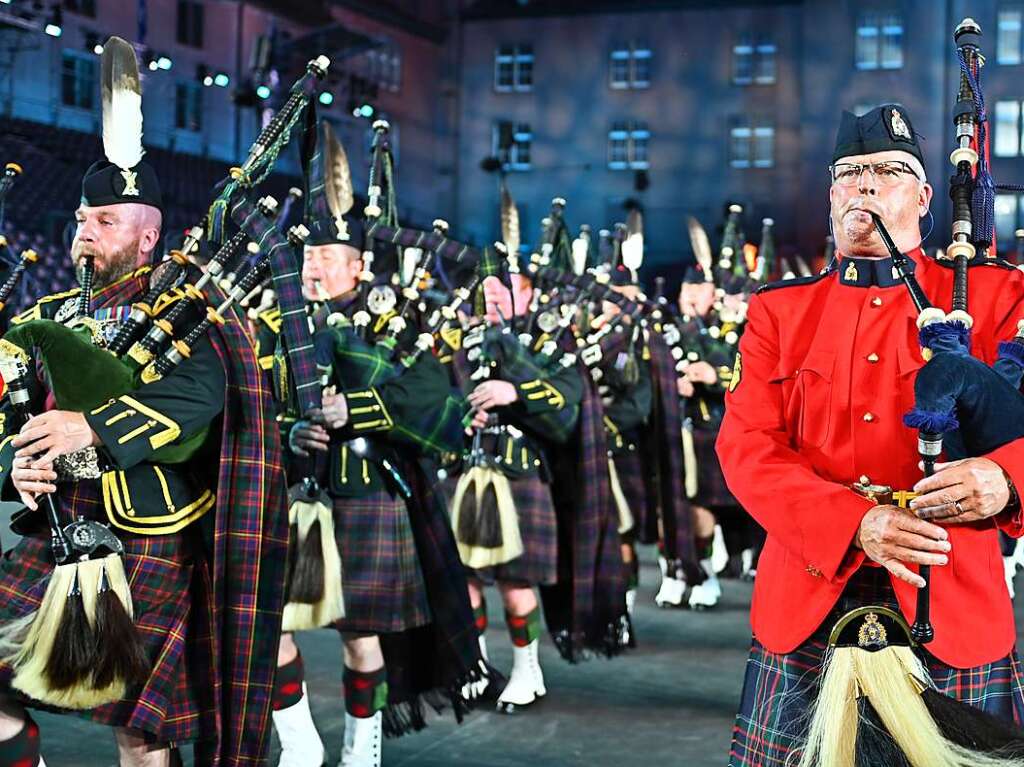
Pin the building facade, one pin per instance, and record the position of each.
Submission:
(213, 71)
(678, 105)
(686, 106)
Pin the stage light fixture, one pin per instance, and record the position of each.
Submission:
(164, 62)
(93, 44)
(53, 26)
(203, 75)
(263, 92)
(326, 98)
(221, 80)
(365, 110)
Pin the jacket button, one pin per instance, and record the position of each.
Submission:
(876, 301)
(812, 570)
(872, 358)
(869, 417)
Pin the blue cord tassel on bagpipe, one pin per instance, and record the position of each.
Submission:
(948, 336)
(984, 194)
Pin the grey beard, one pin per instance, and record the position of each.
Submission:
(121, 265)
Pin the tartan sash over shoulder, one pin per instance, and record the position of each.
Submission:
(247, 557)
(585, 610)
(247, 540)
(662, 448)
(285, 270)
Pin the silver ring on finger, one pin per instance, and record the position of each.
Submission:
(959, 508)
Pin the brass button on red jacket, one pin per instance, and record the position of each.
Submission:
(797, 434)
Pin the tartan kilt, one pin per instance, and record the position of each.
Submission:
(382, 581)
(711, 488)
(780, 689)
(538, 528)
(172, 625)
(631, 475)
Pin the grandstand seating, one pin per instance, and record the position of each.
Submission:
(44, 198)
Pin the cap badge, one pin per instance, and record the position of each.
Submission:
(342, 226)
(130, 190)
(851, 274)
(900, 129)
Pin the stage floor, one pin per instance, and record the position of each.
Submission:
(671, 701)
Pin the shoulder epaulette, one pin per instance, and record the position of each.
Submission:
(1001, 263)
(35, 311)
(793, 282)
(58, 296)
(271, 318)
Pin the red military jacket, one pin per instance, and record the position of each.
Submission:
(825, 374)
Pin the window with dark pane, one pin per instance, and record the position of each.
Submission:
(512, 144)
(764, 144)
(78, 79)
(618, 146)
(641, 75)
(740, 142)
(522, 147)
(1008, 35)
(764, 63)
(81, 7)
(628, 145)
(629, 66)
(879, 41)
(513, 68)
(743, 61)
(188, 113)
(190, 23)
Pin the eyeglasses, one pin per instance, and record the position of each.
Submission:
(888, 173)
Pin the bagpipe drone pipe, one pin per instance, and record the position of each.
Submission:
(346, 355)
(79, 649)
(877, 702)
(17, 263)
(348, 358)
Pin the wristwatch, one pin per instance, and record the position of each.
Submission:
(1013, 504)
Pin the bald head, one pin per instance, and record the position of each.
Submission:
(120, 238)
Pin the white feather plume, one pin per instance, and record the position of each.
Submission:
(122, 104)
(701, 246)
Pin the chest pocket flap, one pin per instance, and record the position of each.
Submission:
(807, 395)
